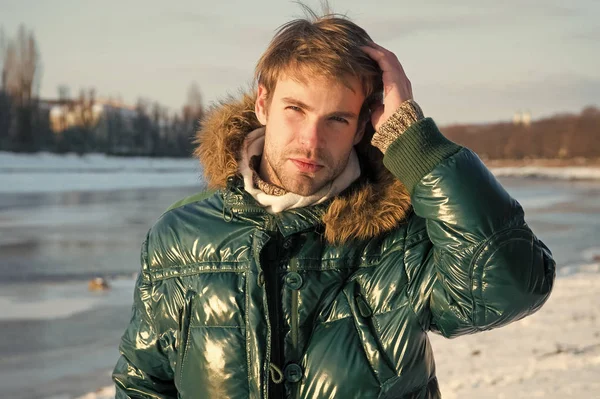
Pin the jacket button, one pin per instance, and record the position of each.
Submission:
(292, 373)
(293, 280)
(287, 244)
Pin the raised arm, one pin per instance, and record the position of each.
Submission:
(479, 265)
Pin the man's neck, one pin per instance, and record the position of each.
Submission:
(265, 185)
(265, 171)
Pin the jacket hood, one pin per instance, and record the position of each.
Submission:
(370, 207)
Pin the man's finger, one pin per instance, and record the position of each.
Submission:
(373, 52)
(387, 52)
(391, 54)
(382, 49)
(384, 61)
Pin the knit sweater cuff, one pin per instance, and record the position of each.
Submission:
(417, 151)
(407, 113)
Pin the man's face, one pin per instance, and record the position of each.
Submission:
(310, 130)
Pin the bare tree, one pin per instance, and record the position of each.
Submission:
(21, 70)
(22, 67)
(5, 104)
(143, 129)
(193, 112)
(2, 58)
(85, 109)
(64, 93)
(193, 106)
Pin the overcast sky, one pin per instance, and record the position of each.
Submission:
(468, 61)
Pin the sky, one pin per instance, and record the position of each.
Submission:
(469, 61)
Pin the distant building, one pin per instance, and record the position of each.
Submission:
(522, 118)
(65, 114)
(110, 121)
(517, 118)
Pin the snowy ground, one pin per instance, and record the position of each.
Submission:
(563, 173)
(49, 162)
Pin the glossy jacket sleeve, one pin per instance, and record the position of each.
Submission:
(479, 265)
(143, 370)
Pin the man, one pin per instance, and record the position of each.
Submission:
(325, 251)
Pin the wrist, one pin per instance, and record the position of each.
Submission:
(417, 152)
(407, 114)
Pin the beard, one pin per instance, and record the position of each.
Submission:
(281, 171)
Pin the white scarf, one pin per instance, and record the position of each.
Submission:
(254, 145)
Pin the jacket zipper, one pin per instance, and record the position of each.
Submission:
(273, 288)
(294, 311)
(294, 326)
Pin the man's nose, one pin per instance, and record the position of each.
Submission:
(310, 136)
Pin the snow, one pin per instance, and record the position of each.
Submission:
(102, 393)
(21, 183)
(45, 172)
(61, 299)
(52, 309)
(562, 173)
(49, 162)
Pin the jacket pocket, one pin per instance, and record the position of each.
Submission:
(211, 360)
(362, 314)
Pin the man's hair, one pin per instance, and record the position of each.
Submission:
(326, 46)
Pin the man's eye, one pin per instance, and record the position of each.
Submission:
(339, 119)
(293, 108)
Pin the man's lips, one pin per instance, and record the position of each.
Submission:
(306, 165)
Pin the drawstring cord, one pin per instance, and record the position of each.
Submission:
(274, 369)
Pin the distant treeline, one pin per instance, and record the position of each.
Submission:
(564, 136)
(147, 129)
(83, 124)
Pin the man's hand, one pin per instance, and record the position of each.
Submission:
(396, 86)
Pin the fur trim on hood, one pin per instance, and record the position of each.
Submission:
(372, 206)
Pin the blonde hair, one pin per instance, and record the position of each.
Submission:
(325, 46)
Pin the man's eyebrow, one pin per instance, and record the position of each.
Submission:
(298, 103)
(344, 114)
(293, 101)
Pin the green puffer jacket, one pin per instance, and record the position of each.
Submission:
(334, 300)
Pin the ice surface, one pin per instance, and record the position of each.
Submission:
(44, 172)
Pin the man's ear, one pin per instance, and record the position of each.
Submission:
(261, 104)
